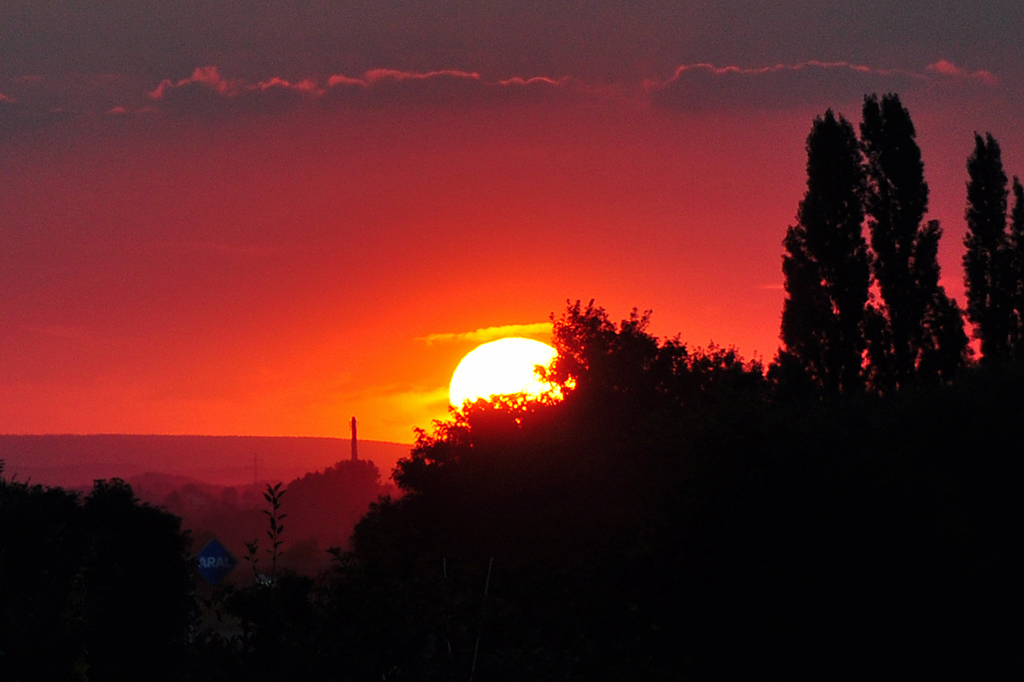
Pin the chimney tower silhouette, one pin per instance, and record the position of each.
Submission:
(355, 446)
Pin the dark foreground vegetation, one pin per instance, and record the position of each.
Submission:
(675, 514)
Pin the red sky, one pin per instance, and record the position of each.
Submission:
(221, 219)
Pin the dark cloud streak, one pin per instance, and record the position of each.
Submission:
(206, 93)
(703, 87)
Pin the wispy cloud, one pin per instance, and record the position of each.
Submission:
(208, 76)
(705, 86)
(208, 91)
(446, 87)
(490, 333)
(700, 86)
(945, 67)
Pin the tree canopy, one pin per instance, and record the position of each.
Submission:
(826, 263)
(90, 587)
(986, 259)
(856, 316)
(917, 330)
(1015, 281)
(675, 491)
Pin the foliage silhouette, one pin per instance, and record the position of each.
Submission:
(273, 496)
(917, 331)
(802, 532)
(89, 588)
(326, 505)
(826, 265)
(987, 260)
(1015, 281)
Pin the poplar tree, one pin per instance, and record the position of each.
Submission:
(916, 333)
(1016, 279)
(987, 259)
(826, 264)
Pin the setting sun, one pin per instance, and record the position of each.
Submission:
(501, 367)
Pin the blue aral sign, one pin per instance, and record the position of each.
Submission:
(215, 561)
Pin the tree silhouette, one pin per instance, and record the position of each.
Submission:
(826, 264)
(607, 368)
(942, 348)
(914, 333)
(88, 588)
(1016, 278)
(138, 579)
(570, 497)
(645, 526)
(986, 261)
(325, 506)
(614, 375)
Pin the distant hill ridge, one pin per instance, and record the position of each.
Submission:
(76, 460)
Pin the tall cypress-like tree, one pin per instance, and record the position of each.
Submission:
(917, 331)
(826, 264)
(1016, 276)
(986, 261)
(942, 347)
